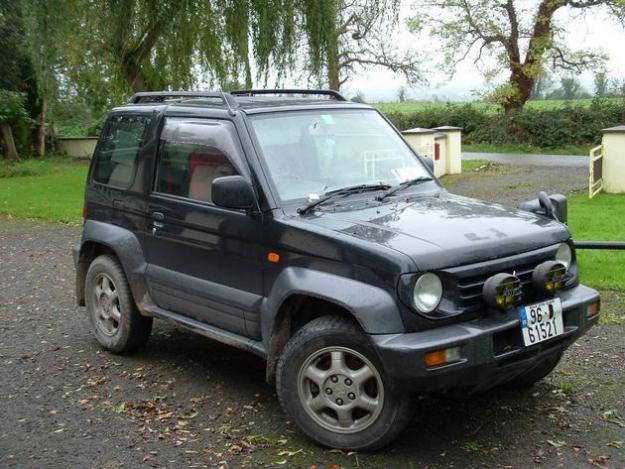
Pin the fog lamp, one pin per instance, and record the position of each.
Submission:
(502, 291)
(548, 277)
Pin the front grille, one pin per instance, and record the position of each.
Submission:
(468, 280)
(470, 289)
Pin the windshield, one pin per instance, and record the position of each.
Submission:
(311, 153)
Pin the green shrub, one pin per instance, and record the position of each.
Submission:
(543, 127)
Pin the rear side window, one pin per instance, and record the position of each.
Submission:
(121, 140)
(193, 152)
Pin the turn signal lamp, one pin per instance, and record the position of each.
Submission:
(442, 357)
(273, 257)
(593, 309)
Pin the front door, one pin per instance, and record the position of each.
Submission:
(203, 261)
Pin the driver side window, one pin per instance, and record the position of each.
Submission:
(192, 154)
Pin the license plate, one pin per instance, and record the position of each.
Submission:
(541, 321)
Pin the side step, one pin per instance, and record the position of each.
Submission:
(226, 337)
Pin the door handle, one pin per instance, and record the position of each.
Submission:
(157, 223)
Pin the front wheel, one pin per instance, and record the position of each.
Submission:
(330, 382)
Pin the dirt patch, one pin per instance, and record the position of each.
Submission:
(511, 185)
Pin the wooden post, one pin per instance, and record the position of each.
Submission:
(41, 146)
(9, 143)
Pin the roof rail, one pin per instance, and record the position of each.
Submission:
(333, 94)
(158, 96)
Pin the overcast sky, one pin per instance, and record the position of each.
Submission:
(594, 30)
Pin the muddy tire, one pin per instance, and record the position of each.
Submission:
(117, 324)
(331, 383)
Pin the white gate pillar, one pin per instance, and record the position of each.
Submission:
(613, 167)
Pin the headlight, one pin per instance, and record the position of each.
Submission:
(428, 291)
(564, 255)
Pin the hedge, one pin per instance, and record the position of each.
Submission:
(545, 128)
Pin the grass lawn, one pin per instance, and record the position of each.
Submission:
(525, 149)
(54, 193)
(599, 219)
(472, 165)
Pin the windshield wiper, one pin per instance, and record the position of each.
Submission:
(402, 186)
(342, 193)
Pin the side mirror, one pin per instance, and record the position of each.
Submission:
(232, 192)
(552, 206)
(429, 162)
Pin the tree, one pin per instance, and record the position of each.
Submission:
(17, 70)
(542, 86)
(347, 36)
(41, 19)
(401, 94)
(601, 84)
(570, 88)
(115, 47)
(359, 97)
(12, 113)
(520, 37)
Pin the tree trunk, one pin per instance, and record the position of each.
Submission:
(523, 86)
(132, 74)
(41, 137)
(334, 78)
(334, 69)
(9, 143)
(523, 76)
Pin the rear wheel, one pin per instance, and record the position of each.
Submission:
(117, 324)
(330, 382)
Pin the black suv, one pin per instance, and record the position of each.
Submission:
(303, 228)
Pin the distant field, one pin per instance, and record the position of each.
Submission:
(538, 104)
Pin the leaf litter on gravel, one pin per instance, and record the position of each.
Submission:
(612, 416)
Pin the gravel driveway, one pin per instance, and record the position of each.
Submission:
(184, 401)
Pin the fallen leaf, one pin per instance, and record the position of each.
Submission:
(289, 453)
(164, 415)
(188, 415)
(557, 443)
(119, 408)
(613, 417)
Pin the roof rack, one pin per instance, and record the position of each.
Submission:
(158, 96)
(331, 93)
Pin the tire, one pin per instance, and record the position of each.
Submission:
(313, 404)
(115, 320)
(529, 378)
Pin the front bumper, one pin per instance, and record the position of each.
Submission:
(492, 348)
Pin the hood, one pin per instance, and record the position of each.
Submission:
(446, 230)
